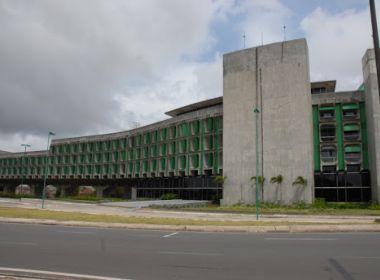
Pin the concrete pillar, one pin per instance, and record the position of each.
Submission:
(133, 193)
(274, 79)
(63, 191)
(373, 120)
(99, 190)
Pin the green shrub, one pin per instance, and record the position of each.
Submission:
(13, 195)
(168, 196)
(319, 203)
(216, 198)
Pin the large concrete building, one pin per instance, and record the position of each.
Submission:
(271, 122)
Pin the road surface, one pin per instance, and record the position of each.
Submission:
(158, 255)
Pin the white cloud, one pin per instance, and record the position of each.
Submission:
(188, 83)
(337, 43)
(66, 64)
(263, 21)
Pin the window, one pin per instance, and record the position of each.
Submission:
(352, 153)
(328, 154)
(327, 132)
(327, 114)
(350, 110)
(351, 132)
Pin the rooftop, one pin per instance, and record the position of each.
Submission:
(195, 106)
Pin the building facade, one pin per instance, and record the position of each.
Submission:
(271, 121)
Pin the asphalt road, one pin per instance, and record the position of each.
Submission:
(136, 254)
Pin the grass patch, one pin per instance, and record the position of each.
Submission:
(13, 195)
(321, 208)
(74, 216)
(91, 198)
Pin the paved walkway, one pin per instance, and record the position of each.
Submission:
(116, 209)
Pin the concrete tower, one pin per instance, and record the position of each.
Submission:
(373, 120)
(274, 79)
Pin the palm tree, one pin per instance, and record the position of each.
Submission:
(277, 180)
(301, 181)
(261, 181)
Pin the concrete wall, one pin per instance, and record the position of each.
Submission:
(373, 120)
(275, 79)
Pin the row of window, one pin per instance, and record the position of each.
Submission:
(170, 163)
(351, 132)
(181, 146)
(164, 134)
(352, 153)
(350, 111)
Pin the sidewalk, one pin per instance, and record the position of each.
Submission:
(321, 222)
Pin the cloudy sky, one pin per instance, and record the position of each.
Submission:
(80, 67)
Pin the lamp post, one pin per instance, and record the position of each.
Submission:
(45, 169)
(256, 112)
(22, 168)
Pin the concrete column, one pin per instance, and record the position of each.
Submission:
(63, 191)
(99, 190)
(373, 120)
(133, 193)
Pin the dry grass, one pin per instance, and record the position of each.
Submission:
(73, 216)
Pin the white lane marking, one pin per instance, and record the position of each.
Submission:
(18, 243)
(355, 257)
(300, 239)
(39, 273)
(171, 234)
(189, 253)
(75, 232)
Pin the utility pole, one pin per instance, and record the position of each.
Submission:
(375, 36)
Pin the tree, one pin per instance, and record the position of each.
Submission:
(301, 181)
(277, 180)
(219, 180)
(261, 181)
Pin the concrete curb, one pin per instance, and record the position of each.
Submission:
(249, 229)
(48, 275)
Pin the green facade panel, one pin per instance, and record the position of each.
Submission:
(339, 137)
(364, 135)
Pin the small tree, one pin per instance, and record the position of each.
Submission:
(219, 180)
(277, 180)
(300, 181)
(261, 181)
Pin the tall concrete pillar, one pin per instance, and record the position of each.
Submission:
(373, 120)
(274, 79)
(100, 190)
(133, 193)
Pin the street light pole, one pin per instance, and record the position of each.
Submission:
(257, 111)
(45, 169)
(375, 36)
(22, 167)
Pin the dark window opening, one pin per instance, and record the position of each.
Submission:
(353, 167)
(327, 115)
(328, 132)
(329, 169)
(351, 135)
(328, 154)
(352, 156)
(350, 114)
